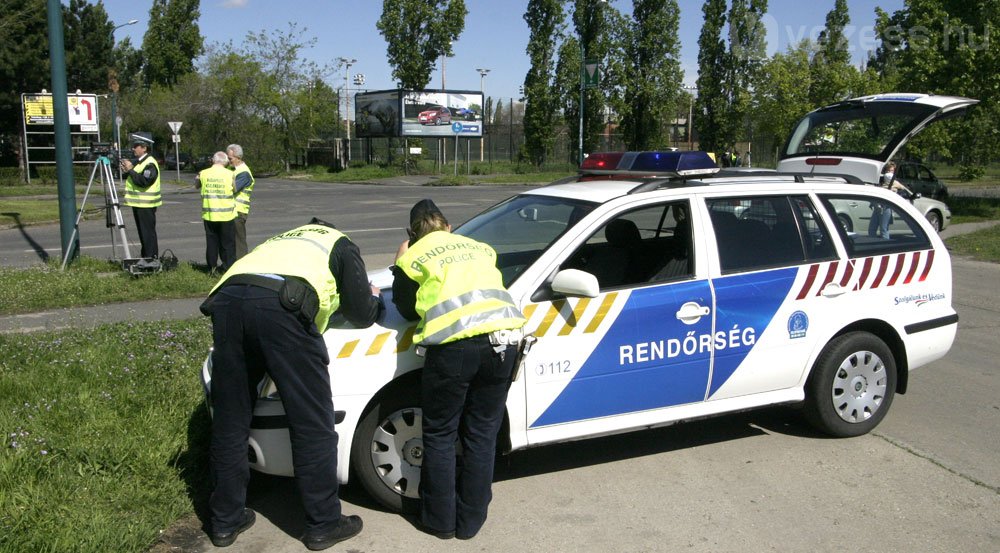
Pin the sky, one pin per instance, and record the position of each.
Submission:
(495, 35)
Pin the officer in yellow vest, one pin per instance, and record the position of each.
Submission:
(244, 188)
(268, 314)
(142, 191)
(469, 326)
(218, 212)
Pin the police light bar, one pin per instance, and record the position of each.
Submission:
(651, 164)
(601, 161)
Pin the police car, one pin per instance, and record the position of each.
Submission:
(658, 289)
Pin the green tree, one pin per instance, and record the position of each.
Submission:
(24, 61)
(746, 54)
(712, 106)
(89, 46)
(781, 95)
(417, 33)
(544, 19)
(948, 47)
(591, 22)
(833, 76)
(567, 85)
(653, 74)
(172, 41)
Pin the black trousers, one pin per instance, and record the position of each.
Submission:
(241, 235)
(464, 389)
(220, 241)
(254, 335)
(145, 225)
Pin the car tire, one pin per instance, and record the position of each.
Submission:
(852, 385)
(845, 222)
(387, 448)
(934, 218)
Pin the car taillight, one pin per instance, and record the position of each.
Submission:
(823, 161)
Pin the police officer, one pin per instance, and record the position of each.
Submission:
(268, 315)
(142, 191)
(218, 212)
(452, 285)
(244, 188)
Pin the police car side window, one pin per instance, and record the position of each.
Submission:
(872, 226)
(759, 232)
(647, 245)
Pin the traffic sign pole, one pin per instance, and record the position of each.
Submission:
(175, 127)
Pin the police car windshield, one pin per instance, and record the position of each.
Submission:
(521, 228)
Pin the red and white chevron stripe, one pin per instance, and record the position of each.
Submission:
(868, 273)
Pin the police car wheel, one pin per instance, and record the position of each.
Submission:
(387, 449)
(852, 385)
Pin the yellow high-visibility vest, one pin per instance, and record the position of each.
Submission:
(144, 197)
(243, 197)
(302, 252)
(461, 291)
(217, 201)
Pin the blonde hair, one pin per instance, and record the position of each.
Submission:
(426, 224)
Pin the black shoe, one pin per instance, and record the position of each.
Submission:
(225, 539)
(347, 527)
(437, 533)
(462, 536)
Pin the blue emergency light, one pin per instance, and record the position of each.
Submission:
(650, 164)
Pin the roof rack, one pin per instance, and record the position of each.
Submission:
(798, 176)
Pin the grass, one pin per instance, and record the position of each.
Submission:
(90, 281)
(20, 212)
(105, 435)
(983, 245)
(968, 209)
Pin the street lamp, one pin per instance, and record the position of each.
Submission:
(692, 91)
(583, 69)
(482, 90)
(113, 85)
(347, 63)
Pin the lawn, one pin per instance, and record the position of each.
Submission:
(90, 281)
(105, 435)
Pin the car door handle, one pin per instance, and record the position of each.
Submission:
(833, 290)
(691, 312)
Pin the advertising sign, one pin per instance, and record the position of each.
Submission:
(376, 114)
(82, 110)
(435, 112)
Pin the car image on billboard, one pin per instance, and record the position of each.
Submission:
(442, 113)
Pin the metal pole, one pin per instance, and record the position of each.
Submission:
(510, 132)
(60, 109)
(177, 159)
(583, 62)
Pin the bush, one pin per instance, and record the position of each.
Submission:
(968, 173)
(11, 176)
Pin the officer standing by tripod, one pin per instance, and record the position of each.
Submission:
(142, 191)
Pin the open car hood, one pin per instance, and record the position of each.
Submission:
(857, 137)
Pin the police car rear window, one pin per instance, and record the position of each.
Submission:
(871, 226)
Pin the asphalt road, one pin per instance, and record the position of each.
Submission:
(927, 480)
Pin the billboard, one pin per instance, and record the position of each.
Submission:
(392, 113)
(442, 113)
(82, 110)
(376, 114)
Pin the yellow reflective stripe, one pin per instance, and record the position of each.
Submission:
(602, 312)
(577, 312)
(529, 310)
(549, 317)
(406, 339)
(348, 349)
(378, 343)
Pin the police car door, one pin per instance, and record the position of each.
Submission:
(616, 360)
(768, 248)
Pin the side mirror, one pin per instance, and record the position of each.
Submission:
(574, 282)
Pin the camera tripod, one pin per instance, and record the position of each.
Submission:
(112, 213)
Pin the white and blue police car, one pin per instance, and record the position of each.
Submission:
(659, 289)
